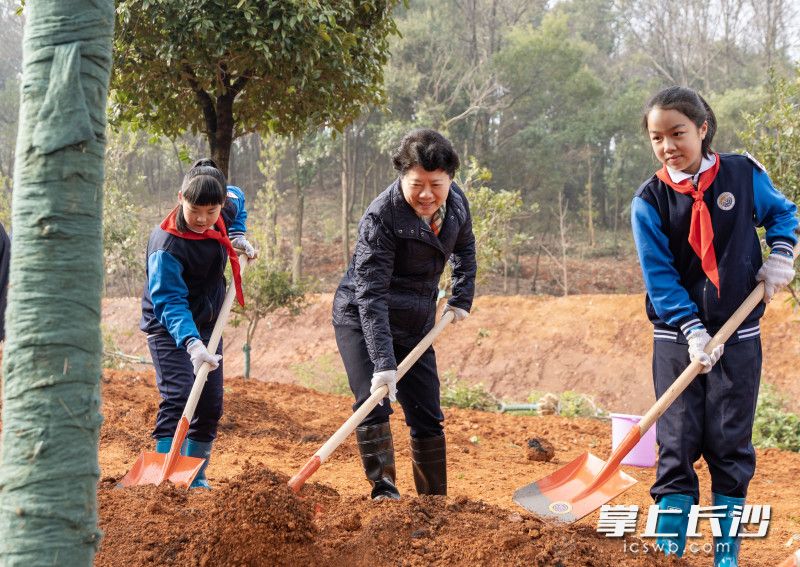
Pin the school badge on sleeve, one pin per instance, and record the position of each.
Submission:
(726, 201)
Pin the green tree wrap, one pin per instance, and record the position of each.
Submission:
(52, 357)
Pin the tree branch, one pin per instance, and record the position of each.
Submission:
(203, 99)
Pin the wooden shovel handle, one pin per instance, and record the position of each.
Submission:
(311, 466)
(213, 343)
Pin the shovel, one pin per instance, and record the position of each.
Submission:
(180, 470)
(324, 452)
(792, 561)
(588, 482)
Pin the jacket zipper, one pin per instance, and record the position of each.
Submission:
(705, 300)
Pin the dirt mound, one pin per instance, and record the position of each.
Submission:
(255, 520)
(270, 430)
(252, 520)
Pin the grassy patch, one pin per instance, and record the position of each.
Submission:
(456, 393)
(566, 404)
(322, 374)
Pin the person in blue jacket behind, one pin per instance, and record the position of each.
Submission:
(694, 223)
(186, 258)
(386, 303)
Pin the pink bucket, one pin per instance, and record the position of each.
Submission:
(644, 453)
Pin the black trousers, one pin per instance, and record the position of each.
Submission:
(417, 392)
(174, 378)
(712, 418)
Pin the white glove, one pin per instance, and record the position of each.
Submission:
(698, 339)
(458, 313)
(388, 378)
(241, 244)
(777, 272)
(199, 354)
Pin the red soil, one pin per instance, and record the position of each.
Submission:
(269, 430)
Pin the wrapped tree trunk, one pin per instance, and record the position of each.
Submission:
(52, 356)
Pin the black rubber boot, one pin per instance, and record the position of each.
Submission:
(429, 461)
(377, 456)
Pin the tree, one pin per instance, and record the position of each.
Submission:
(52, 359)
(493, 212)
(267, 288)
(226, 70)
(773, 134)
(551, 114)
(307, 154)
(10, 71)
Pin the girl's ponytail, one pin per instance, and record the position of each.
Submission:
(711, 120)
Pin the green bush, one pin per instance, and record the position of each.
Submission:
(774, 427)
(456, 393)
(574, 404)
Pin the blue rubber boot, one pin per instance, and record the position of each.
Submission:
(726, 548)
(163, 444)
(201, 450)
(673, 523)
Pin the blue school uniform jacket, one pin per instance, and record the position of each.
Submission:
(185, 278)
(679, 295)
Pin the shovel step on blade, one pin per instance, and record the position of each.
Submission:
(149, 467)
(559, 495)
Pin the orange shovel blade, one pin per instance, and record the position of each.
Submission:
(149, 469)
(559, 495)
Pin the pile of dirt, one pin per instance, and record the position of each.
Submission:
(257, 521)
(251, 519)
(254, 519)
(270, 430)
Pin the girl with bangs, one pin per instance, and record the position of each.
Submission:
(186, 258)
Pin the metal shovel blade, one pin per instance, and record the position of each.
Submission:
(562, 495)
(149, 469)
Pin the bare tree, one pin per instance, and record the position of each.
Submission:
(563, 206)
(772, 20)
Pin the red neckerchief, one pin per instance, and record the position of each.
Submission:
(169, 224)
(701, 232)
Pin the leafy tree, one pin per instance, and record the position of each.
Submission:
(542, 134)
(52, 357)
(773, 135)
(272, 149)
(123, 241)
(225, 70)
(493, 214)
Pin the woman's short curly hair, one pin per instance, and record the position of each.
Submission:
(427, 148)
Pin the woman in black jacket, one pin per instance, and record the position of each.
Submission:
(386, 303)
